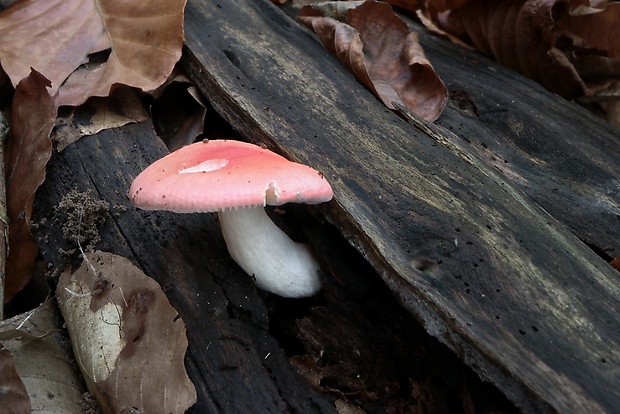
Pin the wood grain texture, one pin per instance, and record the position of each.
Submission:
(495, 277)
(564, 158)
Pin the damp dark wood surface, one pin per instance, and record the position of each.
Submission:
(451, 220)
(250, 351)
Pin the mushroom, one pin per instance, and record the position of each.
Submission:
(237, 180)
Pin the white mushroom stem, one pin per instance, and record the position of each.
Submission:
(278, 264)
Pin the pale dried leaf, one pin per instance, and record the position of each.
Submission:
(581, 7)
(44, 361)
(377, 46)
(129, 342)
(298, 4)
(338, 10)
(29, 148)
(121, 108)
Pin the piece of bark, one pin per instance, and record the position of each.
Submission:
(497, 279)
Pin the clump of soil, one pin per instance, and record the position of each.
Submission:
(81, 215)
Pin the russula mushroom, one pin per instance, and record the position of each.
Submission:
(237, 180)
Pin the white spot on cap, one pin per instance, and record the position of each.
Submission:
(205, 166)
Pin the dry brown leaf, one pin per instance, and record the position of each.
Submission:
(596, 33)
(129, 342)
(56, 38)
(569, 47)
(378, 48)
(29, 148)
(13, 398)
(52, 36)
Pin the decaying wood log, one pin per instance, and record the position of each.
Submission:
(250, 351)
(495, 277)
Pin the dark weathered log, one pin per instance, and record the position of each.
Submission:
(353, 334)
(495, 277)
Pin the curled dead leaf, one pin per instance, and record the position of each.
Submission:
(568, 46)
(581, 7)
(378, 48)
(129, 342)
(29, 149)
(14, 396)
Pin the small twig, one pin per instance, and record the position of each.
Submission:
(25, 319)
(4, 242)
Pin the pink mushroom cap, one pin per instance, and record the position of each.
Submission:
(218, 175)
